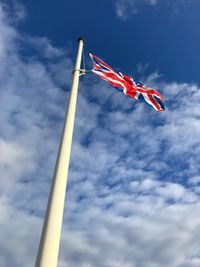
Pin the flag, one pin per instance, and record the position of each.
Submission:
(127, 84)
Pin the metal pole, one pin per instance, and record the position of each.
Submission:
(50, 239)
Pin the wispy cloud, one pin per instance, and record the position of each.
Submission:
(125, 9)
(133, 192)
(15, 9)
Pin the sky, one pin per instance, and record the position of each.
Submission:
(133, 193)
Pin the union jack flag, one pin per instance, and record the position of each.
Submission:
(127, 85)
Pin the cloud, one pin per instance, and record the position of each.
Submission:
(31, 96)
(15, 9)
(44, 47)
(19, 11)
(125, 9)
(133, 193)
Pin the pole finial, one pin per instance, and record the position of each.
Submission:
(80, 39)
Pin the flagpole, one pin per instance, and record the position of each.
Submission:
(50, 239)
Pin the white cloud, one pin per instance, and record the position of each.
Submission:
(194, 180)
(44, 48)
(132, 196)
(15, 9)
(19, 11)
(127, 8)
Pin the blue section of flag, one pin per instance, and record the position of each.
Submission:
(160, 102)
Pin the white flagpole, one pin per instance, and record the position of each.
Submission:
(50, 239)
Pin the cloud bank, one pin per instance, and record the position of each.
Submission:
(133, 191)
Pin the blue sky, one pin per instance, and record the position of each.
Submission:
(163, 34)
(133, 190)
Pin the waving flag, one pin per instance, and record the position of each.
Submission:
(127, 85)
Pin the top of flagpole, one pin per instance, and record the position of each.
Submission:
(81, 39)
